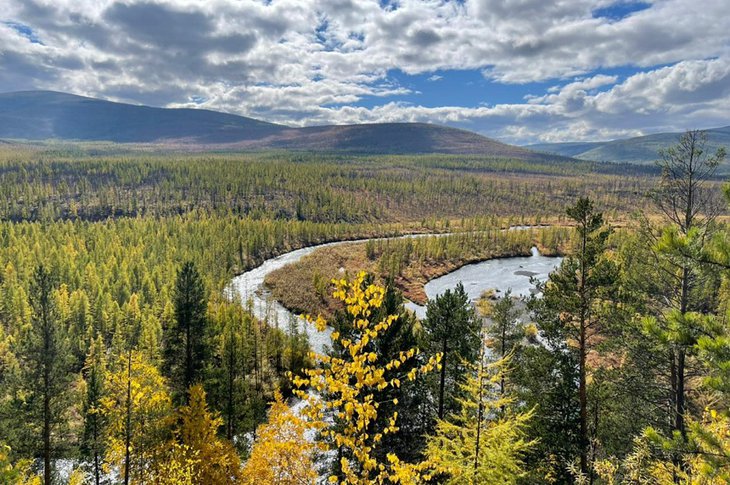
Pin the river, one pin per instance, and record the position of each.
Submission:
(499, 274)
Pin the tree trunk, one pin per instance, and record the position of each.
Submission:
(128, 430)
(47, 477)
(582, 391)
(442, 382)
(46, 429)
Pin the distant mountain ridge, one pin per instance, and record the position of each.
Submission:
(42, 115)
(638, 150)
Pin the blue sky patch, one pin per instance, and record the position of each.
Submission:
(620, 10)
(24, 30)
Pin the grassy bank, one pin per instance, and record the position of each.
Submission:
(304, 287)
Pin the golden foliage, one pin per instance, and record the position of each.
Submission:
(214, 460)
(347, 386)
(18, 473)
(283, 454)
(148, 411)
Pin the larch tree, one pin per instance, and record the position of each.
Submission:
(284, 452)
(138, 411)
(486, 441)
(345, 389)
(215, 460)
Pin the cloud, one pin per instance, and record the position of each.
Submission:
(317, 61)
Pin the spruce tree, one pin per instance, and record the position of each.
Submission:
(46, 361)
(452, 328)
(186, 341)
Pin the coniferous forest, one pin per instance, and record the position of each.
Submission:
(126, 357)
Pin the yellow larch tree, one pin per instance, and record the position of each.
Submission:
(345, 388)
(137, 408)
(215, 461)
(284, 451)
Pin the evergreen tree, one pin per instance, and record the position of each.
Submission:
(569, 316)
(187, 346)
(690, 206)
(92, 443)
(505, 330)
(452, 329)
(46, 361)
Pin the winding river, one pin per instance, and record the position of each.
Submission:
(499, 274)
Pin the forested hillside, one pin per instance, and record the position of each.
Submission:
(125, 357)
(94, 182)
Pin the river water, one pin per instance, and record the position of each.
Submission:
(498, 274)
(502, 274)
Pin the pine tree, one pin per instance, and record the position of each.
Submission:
(505, 330)
(187, 346)
(570, 317)
(690, 206)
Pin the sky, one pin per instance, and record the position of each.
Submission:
(522, 71)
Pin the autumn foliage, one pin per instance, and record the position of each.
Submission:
(343, 402)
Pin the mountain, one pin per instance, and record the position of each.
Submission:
(640, 150)
(39, 115)
(566, 149)
(42, 115)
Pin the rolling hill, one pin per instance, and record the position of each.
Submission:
(44, 115)
(638, 150)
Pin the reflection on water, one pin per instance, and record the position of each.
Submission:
(495, 274)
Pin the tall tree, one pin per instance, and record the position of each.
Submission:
(348, 388)
(138, 410)
(504, 330)
(187, 344)
(486, 441)
(690, 204)
(452, 329)
(215, 460)
(46, 361)
(571, 300)
(92, 443)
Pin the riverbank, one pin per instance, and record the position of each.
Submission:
(304, 286)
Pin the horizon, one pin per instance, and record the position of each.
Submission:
(525, 72)
(527, 145)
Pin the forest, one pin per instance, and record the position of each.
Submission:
(124, 357)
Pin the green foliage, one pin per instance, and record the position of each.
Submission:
(186, 343)
(486, 441)
(452, 329)
(70, 182)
